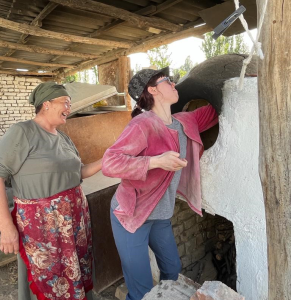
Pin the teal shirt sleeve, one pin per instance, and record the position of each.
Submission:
(14, 149)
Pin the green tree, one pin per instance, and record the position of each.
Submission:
(72, 78)
(159, 57)
(223, 45)
(184, 69)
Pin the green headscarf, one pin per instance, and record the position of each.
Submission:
(47, 91)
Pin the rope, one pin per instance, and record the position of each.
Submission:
(256, 44)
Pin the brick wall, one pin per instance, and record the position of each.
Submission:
(14, 93)
(195, 236)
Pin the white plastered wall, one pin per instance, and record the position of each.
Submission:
(231, 185)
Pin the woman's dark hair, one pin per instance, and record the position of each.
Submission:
(146, 100)
(38, 108)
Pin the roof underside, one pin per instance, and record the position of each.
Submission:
(60, 37)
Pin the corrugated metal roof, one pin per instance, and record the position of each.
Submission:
(148, 20)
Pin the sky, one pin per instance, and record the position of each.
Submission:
(180, 50)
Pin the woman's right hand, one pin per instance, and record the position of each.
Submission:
(9, 240)
(168, 161)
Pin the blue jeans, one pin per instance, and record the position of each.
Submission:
(134, 255)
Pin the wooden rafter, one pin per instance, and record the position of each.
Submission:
(155, 42)
(165, 5)
(37, 49)
(20, 73)
(28, 29)
(149, 10)
(36, 22)
(118, 13)
(44, 13)
(108, 27)
(29, 62)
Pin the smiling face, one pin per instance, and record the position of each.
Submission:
(58, 109)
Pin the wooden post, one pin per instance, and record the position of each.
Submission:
(274, 85)
(124, 71)
(116, 73)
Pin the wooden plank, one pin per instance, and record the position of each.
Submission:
(274, 78)
(6, 259)
(144, 11)
(118, 13)
(108, 27)
(28, 29)
(20, 73)
(139, 2)
(44, 13)
(107, 263)
(167, 4)
(37, 49)
(36, 22)
(29, 62)
(124, 77)
(67, 18)
(143, 47)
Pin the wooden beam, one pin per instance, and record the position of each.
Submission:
(29, 62)
(44, 13)
(274, 87)
(20, 73)
(169, 38)
(37, 49)
(28, 29)
(118, 13)
(105, 28)
(123, 80)
(144, 11)
(36, 22)
(109, 26)
(165, 5)
(143, 47)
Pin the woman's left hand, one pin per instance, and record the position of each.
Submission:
(91, 169)
(168, 161)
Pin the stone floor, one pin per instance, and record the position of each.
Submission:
(8, 285)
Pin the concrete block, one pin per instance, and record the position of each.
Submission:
(182, 289)
(190, 245)
(181, 250)
(189, 223)
(185, 214)
(178, 229)
(190, 233)
(186, 261)
(216, 290)
(198, 253)
(121, 292)
(199, 239)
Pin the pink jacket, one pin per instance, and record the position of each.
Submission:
(141, 189)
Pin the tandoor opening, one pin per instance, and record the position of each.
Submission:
(209, 136)
(206, 245)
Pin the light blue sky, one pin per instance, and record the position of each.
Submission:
(180, 50)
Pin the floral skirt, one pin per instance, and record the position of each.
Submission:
(56, 244)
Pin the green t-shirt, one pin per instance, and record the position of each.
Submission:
(40, 163)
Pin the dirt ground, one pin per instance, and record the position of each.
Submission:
(8, 285)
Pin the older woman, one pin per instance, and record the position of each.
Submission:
(50, 223)
(156, 156)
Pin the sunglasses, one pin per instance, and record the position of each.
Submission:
(164, 79)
